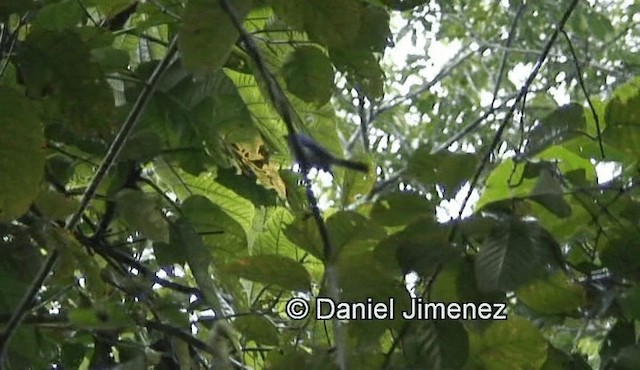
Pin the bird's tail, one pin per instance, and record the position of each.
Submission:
(357, 166)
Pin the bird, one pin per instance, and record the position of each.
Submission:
(317, 156)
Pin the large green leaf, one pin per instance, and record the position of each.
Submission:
(508, 258)
(54, 205)
(221, 233)
(265, 117)
(199, 259)
(553, 295)
(303, 231)
(623, 120)
(362, 69)
(448, 170)
(621, 254)
(332, 22)
(512, 344)
(208, 34)
(21, 153)
(272, 238)
(374, 31)
(436, 344)
(258, 328)
(401, 208)
(185, 185)
(351, 232)
(142, 213)
(105, 315)
(271, 269)
(549, 193)
(82, 97)
(309, 75)
(564, 123)
(538, 180)
(619, 338)
(58, 16)
(418, 247)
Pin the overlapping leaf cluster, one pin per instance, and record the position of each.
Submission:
(200, 232)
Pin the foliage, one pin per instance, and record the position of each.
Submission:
(181, 248)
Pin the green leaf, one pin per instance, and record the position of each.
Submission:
(102, 317)
(288, 358)
(599, 25)
(553, 295)
(509, 181)
(204, 107)
(22, 157)
(564, 123)
(559, 360)
(354, 184)
(309, 75)
(303, 231)
(512, 344)
(142, 213)
(221, 233)
(199, 259)
(208, 34)
(332, 22)
(185, 185)
(437, 344)
(271, 269)
(449, 170)
(419, 247)
(110, 7)
(504, 184)
(54, 205)
(621, 254)
(623, 120)
(362, 69)
(621, 336)
(351, 232)
(374, 30)
(18, 266)
(549, 193)
(401, 208)
(9, 7)
(363, 276)
(292, 12)
(628, 357)
(457, 283)
(81, 95)
(258, 329)
(58, 16)
(272, 238)
(508, 257)
(630, 302)
(266, 119)
(110, 59)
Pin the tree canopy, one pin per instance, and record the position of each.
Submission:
(152, 214)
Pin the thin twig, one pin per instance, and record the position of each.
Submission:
(13, 39)
(503, 65)
(586, 94)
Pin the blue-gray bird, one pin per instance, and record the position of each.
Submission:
(321, 158)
